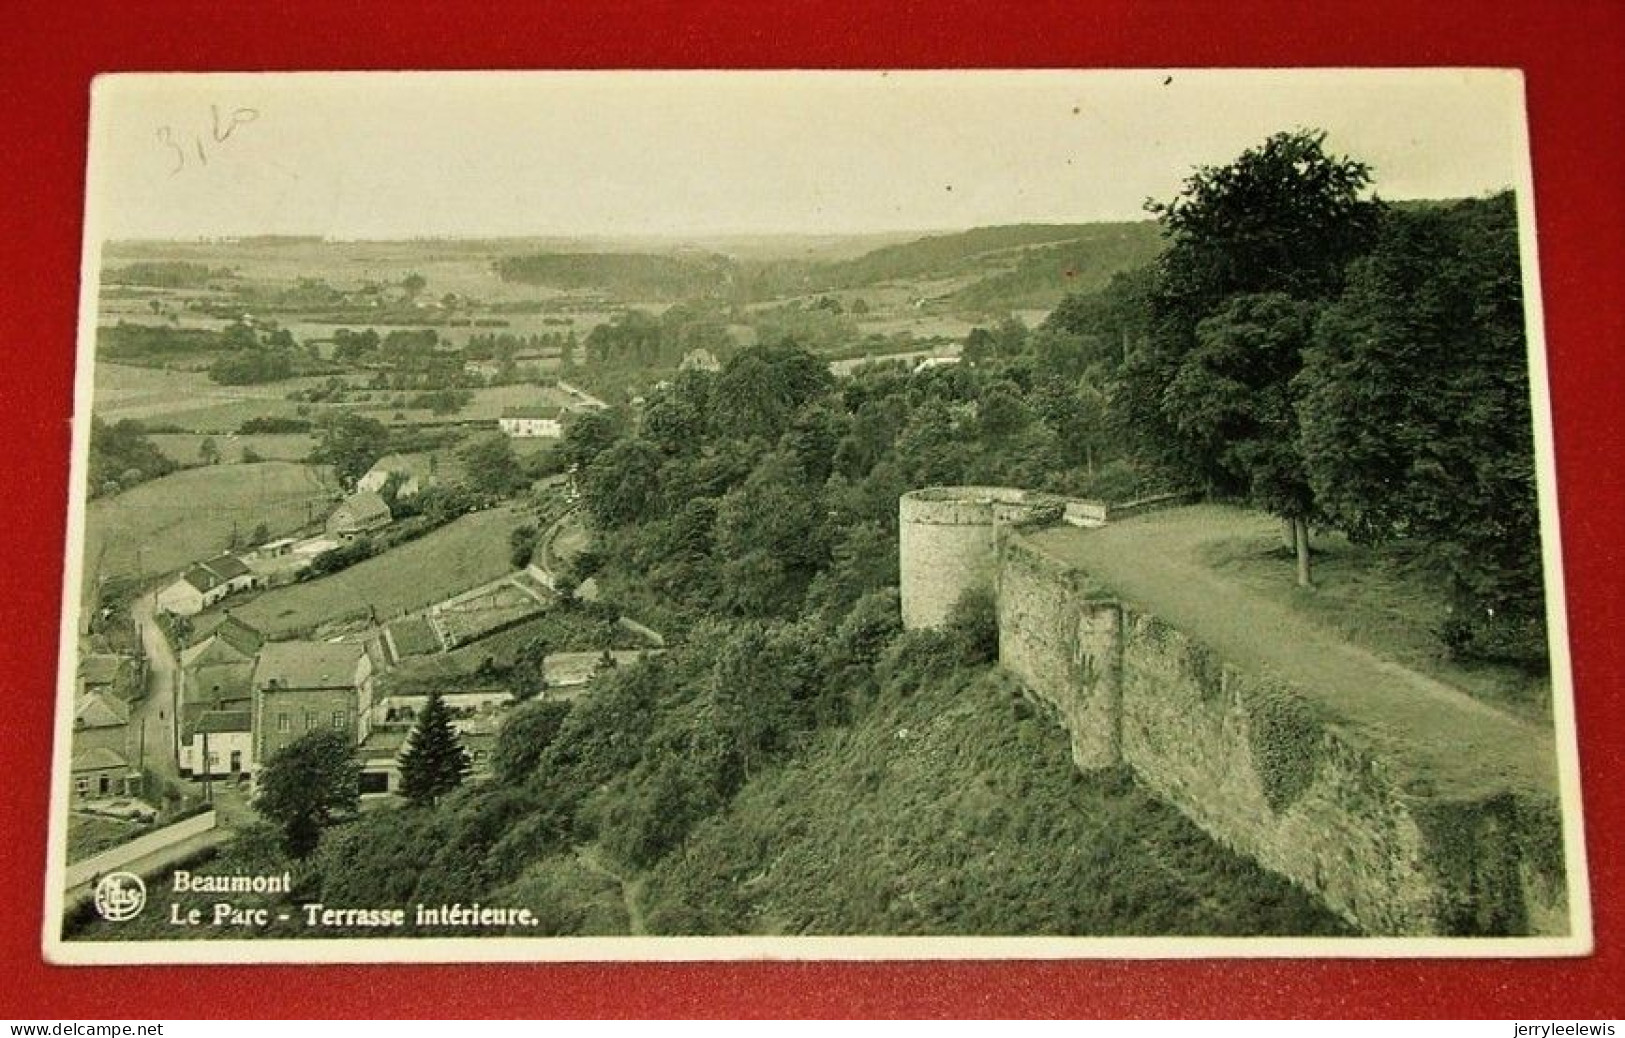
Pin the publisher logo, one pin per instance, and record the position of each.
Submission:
(120, 896)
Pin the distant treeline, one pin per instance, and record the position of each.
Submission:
(1025, 265)
(240, 354)
(1117, 245)
(629, 275)
(166, 274)
(1042, 276)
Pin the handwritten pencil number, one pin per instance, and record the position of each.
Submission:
(166, 136)
(221, 126)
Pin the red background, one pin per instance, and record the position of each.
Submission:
(1572, 54)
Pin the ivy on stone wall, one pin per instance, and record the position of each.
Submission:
(1474, 846)
(1285, 737)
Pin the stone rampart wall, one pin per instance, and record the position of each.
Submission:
(1258, 767)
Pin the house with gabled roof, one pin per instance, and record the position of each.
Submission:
(100, 765)
(358, 514)
(300, 686)
(527, 422)
(111, 673)
(414, 472)
(216, 671)
(202, 584)
(218, 744)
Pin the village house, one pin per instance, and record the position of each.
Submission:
(216, 675)
(203, 584)
(476, 727)
(358, 514)
(101, 738)
(300, 686)
(415, 472)
(398, 708)
(283, 561)
(530, 422)
(218, 744)
(111, 674)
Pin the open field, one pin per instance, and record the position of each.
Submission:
(184, 447)
(487, 405)
(464, 554)
(157, 395)
(164, 524)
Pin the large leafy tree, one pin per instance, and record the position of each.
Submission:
(622, 484)
(760, 389)
(434, 763)
(306, 785)
(351, 443)
(492, 465)
(1283, 220)
(1415, 403)
(1234, 390)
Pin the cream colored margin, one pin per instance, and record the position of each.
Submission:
(669, 949)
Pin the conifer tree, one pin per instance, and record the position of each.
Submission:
(434, 762)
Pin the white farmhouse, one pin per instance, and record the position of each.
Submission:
(220, 743)
(203, 584)
(529, 422)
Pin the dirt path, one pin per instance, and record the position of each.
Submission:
(1458, 744)
(631, 889)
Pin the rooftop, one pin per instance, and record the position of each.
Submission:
(533, 413)
(228, 629)
(98, 759)
(216, 722)
(95, 710)
(100, 668)
(365, 505)
(307, 664)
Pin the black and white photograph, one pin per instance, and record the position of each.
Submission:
(822, 515)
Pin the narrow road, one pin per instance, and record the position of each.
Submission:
(1434, 731)
(151, 864)
(153, 722)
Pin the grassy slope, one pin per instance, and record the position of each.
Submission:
(939, 254)
(949, 812)
(454, 558)
(184, 448)
(163, 524)
(1041, 276)
(1383, 600)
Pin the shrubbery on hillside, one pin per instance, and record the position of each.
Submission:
(122, 456)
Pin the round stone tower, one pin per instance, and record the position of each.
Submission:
(947, 543)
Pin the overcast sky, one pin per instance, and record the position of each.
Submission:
(402, 155)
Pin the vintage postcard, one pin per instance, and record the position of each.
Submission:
(690, 515)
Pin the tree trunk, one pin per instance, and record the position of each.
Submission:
(1300, 536)
(1289, 535)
